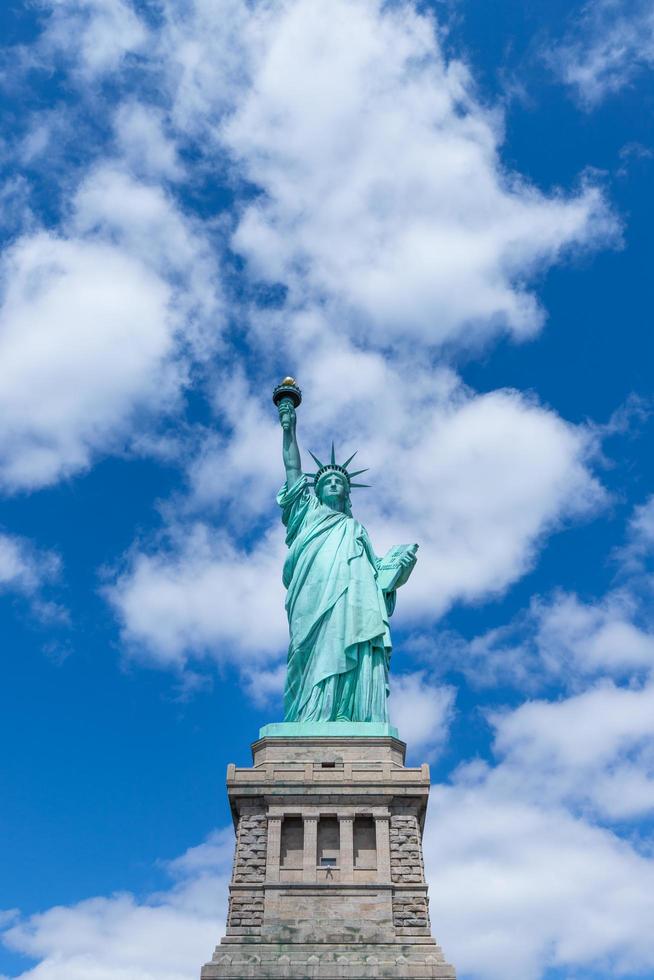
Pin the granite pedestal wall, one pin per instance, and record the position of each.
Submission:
(328, 879)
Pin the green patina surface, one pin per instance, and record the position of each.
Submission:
(340, 596)
(329, 729)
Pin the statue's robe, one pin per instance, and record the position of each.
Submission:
(340, 643)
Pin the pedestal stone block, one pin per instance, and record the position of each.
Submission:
(328, 879)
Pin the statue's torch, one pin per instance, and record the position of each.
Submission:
(288, 389)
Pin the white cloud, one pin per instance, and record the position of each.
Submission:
(532, 467)
(161, 937)
(97, 321)
(642, 524)
(594, 638)
(144, 143)
(421, 710)
(640, 538)
(238, 470)
(201, 53)
(559, 639)
(24, 569)
(87, 329)
(519, 887)
(527, 871)
(98, 34)
(202, 596)
(605, 49)
(434, 243)
(150, 228)
(265, 687)
(594, 749)
(383, 192)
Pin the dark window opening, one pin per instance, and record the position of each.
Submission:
(292, 848)
(365, 843)
(328, 842)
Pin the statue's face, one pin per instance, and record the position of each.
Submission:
(332, 489)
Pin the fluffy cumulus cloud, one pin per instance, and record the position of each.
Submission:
(200, 595)
(641, 526)
(203, 55)
(605, 48)
(436, 242)
(560, 639)
(382, 189)
(99, 319)
(528, 867)
(593, 638)
(421, 710)
(534, 840)
(593, 749)
(533, 470)
(124, 937)
(518, 888)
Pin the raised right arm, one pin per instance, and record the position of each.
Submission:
(290, 449)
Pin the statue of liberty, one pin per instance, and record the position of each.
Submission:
(340, 595)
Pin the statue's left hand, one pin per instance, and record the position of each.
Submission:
(408, 559)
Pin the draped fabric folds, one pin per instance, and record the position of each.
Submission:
(340, 642)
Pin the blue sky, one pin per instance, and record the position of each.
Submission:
(438, 216)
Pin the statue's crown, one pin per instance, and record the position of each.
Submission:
(333, 466)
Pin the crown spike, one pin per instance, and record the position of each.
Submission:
(333, 466)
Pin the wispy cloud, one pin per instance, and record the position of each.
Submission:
(27, 571)
(605, 49)
(564, 640)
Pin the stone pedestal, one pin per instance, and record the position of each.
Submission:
(328, 878)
